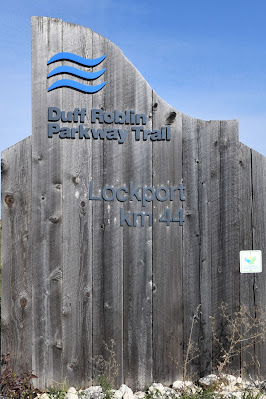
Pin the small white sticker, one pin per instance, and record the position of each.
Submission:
(250, 261)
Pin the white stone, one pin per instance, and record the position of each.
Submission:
(178, 384)
(169, 391)
(224, 394)
(230, 379)
(237, 395)
(208, 381)
(140, 395)
(93, 392)
(94, 389)
(157, 388)
(118, 394)
(126, 392)
(239, 380)
(71, 393)
(43, 396)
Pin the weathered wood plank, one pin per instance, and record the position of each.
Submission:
(246, 243)
(229, 278)
(108, 269)
(216, 251)
(16, 304)
(191, 243)
(99, 327)
(208, 133)
(77, 225)
(259, 242)
(137, 247)
(46, 214)
(167, 250)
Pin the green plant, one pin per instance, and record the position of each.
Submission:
(152, 395)
(58, 390)
(106, 385)
(251, 395)
(201, 395)
(106, 367)
(56, 393)
(16, 386)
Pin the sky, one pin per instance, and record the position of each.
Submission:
(205, 58)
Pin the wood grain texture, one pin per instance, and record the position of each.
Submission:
(15, 266)
(208, 134)
(108, 171)
(77, 225)
(191, 243)
(137, 241)
(247, 296)
(167, 250)
(259, 242)
(216, 238)
(229, 278)
(46, 215)
(99, 327)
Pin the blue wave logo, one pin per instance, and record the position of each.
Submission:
(76, 72)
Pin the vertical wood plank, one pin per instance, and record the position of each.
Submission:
(77, 224)
(259, 242)
(137, 247)
(167, 250)
(99, 327)
(216, 250)
(46, 214)
(229, 276)
(108, 256)
(191, 241)
(247, 297)
(208, 133)
(16, 304)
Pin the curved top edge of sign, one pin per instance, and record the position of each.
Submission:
(40, 20)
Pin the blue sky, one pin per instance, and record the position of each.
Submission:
(205, 58)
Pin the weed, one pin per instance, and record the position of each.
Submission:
(242, 332)
(106, 385)
(55, 393)
(107, 369)
(202, 395)
(16, 386)
(192, 349)
(155, 394)
(251, 395)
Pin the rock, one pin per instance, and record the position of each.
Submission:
(229, 380)
(94, 389)
(224, 394)
(157, 388)
(230, 395)
(118, 394)
(126, 392)
(237, 395)
(93, 392)
(207, 382)
(178, 385)
(184, 386)
(170, 393)
(71, 393)
(140, 395)
(42, 396)
(239, 380)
